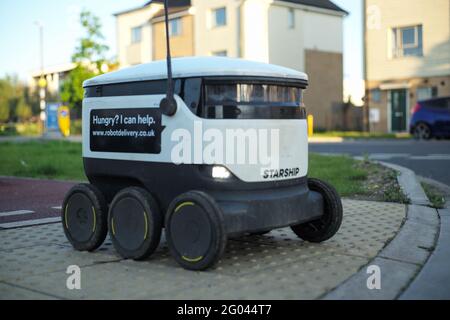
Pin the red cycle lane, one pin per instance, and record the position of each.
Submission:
(30, 199)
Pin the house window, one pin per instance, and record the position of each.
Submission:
(175, 27)
(375, 95)
(222, 53)
(407, 41)
(424, 93)
(136, 34)
(219, 17)
(291, 19)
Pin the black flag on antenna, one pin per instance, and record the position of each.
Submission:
(168, 105)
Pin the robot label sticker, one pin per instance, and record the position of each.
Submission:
(280, 173)
(136, 130)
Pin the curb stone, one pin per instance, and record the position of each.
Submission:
(433, 281)
(410, 185)
(413, 243)
(393, 282)
(403, 258)
(408, 182)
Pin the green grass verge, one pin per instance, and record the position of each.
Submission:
(36, 159)
(435, 196)
(62, 160)
(361, 135)
(340, 171)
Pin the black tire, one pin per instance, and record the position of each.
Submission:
(195, 230)
(326, 227)
(134, 223)
(422, 131)
(84, 217)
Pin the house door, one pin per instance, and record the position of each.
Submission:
(398, 110)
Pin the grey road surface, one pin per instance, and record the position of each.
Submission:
(430, 159)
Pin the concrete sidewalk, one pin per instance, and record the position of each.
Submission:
(34, 260)
(409, 244)
(416, 263)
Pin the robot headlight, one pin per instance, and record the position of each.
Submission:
(219, 172)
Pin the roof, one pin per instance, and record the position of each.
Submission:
(172, 3)
(54, 69)
(172, 10)
(196, 67)
(323, 4)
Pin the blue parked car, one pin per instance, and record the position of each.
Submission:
(431, 118)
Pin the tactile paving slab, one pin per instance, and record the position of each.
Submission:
(277, 265)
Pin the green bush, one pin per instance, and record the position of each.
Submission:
(28, 129)
(75, 127)
(20, 129)
(8, 129)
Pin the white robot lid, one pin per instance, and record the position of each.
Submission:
(197, 67)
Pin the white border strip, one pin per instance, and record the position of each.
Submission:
(28, 223)
(15, 213)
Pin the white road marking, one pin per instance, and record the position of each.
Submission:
(27, 223)
(432, 157)
(388, 156)
(57, 208)
(15, 213)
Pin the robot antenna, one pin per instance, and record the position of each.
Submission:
(168, 105)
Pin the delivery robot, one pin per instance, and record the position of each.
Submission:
(206, 148)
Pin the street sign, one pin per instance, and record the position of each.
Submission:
(64, 120)
(52, 117)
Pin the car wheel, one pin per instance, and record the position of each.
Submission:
(422, 131)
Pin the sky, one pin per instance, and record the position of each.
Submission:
(353, 38)
(19, 46)
(19, 49)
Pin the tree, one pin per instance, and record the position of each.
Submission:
(91, 50)
(23, 110)
(5, 94)
(72, 89)
(12, 100)
(90, 60)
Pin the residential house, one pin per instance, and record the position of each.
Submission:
(305, 35)
(54, 77)
(407, 58)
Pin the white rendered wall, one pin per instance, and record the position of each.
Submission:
(313, 30)
(129, 53)
(209, 39)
